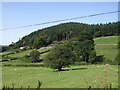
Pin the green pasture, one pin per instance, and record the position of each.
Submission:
(109, 52)
(75, 77)
(106, 40)
(107, 46)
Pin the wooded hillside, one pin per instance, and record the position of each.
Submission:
(65, 31)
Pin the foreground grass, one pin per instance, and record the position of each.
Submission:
(96, 76)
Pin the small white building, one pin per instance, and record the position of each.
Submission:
(22, 48)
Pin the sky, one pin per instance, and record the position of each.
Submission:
(15, 14)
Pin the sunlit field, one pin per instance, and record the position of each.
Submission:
(76, 76)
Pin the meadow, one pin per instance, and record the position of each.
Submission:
(107, 46)
(76, 76)
(107, 40)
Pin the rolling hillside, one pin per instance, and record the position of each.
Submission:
(65, 31)
(106, 46)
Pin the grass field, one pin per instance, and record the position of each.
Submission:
(109, 52)
(94, 75)
(107, 46)
(107, 40)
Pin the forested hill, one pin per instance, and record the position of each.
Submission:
(65, 31)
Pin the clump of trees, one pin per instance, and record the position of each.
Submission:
(84, 48)
(3, 48)
(71, 51)
(59, 57)
(33, 57)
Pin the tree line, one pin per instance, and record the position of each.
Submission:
(64, 31)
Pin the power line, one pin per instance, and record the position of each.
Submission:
(98, 14)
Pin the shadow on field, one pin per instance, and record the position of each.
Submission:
(72, 69)
(79, 68)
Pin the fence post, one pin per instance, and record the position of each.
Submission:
(13, 86)
(89, 88)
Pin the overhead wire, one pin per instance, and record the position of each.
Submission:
(56, 21)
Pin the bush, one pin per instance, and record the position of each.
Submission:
(17, 51)
(34, 56)
(100, 58)
(92, 57)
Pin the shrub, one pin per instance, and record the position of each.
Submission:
(34, 56)
(100, 58)
(17, 51)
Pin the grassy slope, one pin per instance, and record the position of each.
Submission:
(21, 54)
(92, 73)
(107, 40)
(110, 50)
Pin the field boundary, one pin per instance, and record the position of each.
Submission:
(107, 44)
